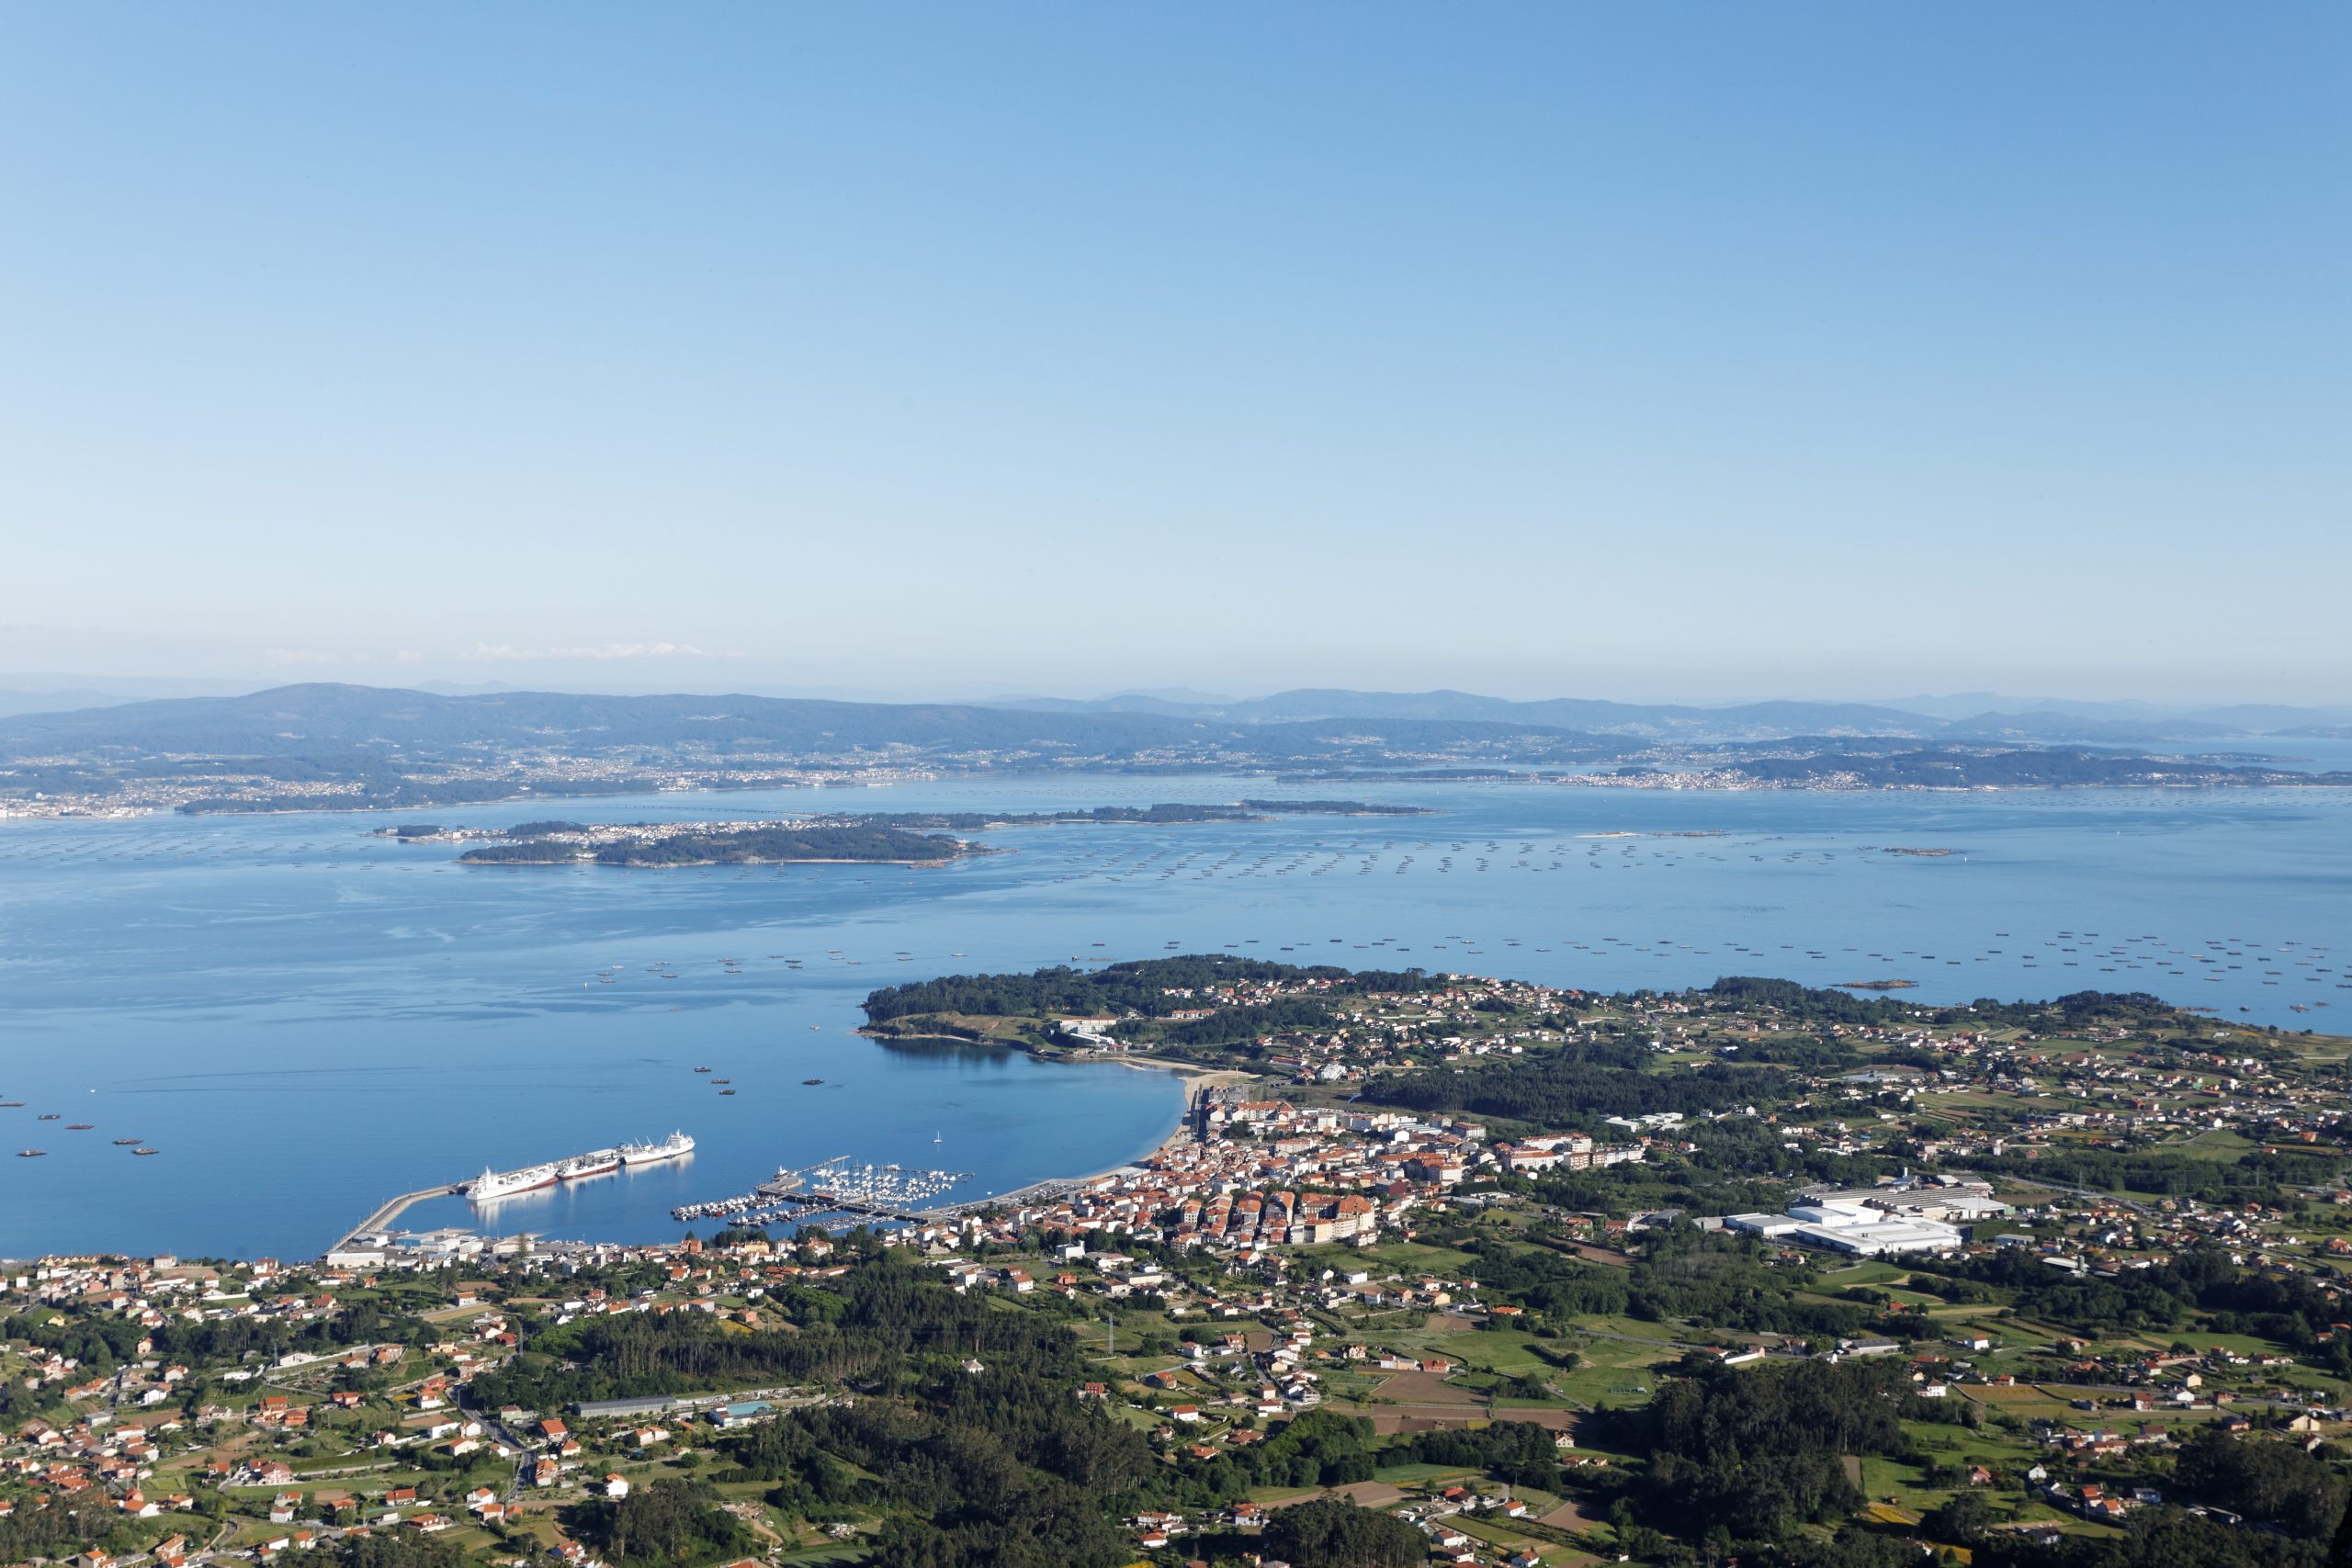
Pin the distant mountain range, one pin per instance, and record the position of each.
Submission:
(1972, 718)
(315, 719)
(297, 748)
(305, 719)
(325, 746)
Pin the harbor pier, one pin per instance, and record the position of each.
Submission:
(383, 1216)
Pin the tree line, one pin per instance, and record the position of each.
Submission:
(1138, 987)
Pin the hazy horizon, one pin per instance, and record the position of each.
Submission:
(1943, 704)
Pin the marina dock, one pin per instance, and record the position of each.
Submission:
(831, 1188)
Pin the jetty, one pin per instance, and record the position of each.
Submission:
(382, 1218)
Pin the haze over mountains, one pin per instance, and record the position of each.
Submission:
(185, 712)
(1977, 715)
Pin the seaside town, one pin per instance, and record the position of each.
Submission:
(1545, 786)
(2048, 1274)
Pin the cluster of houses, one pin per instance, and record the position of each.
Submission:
(1438, 1514)
(2145, 1092)
(1453, 1017)
(1265, 1173)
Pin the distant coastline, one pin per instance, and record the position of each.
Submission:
(1970, 773)
(328, 748)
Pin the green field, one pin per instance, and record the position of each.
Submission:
(1420, 1474)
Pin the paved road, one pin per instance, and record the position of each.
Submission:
(505, 1434)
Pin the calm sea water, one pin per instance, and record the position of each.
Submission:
(307, 1021)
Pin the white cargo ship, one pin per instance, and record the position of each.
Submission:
(670, 1147)
(492, 1184)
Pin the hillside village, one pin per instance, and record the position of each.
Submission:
(1465, 1254)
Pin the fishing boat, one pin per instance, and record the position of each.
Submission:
(77, 1126)
(143, 1153)
(30, 1153)
(812, 1081)
(125, 1143)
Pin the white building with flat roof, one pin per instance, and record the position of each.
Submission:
(1843, 1225)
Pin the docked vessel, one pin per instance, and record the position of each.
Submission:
(597, 1162)
(670, 1147)
(492, 1184)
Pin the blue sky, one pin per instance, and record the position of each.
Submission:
(1699, 351)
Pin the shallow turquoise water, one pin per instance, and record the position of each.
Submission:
(306, 1019)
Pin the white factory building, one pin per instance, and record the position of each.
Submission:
(1871, 1221)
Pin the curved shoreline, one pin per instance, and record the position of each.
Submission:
(1191, 1074)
